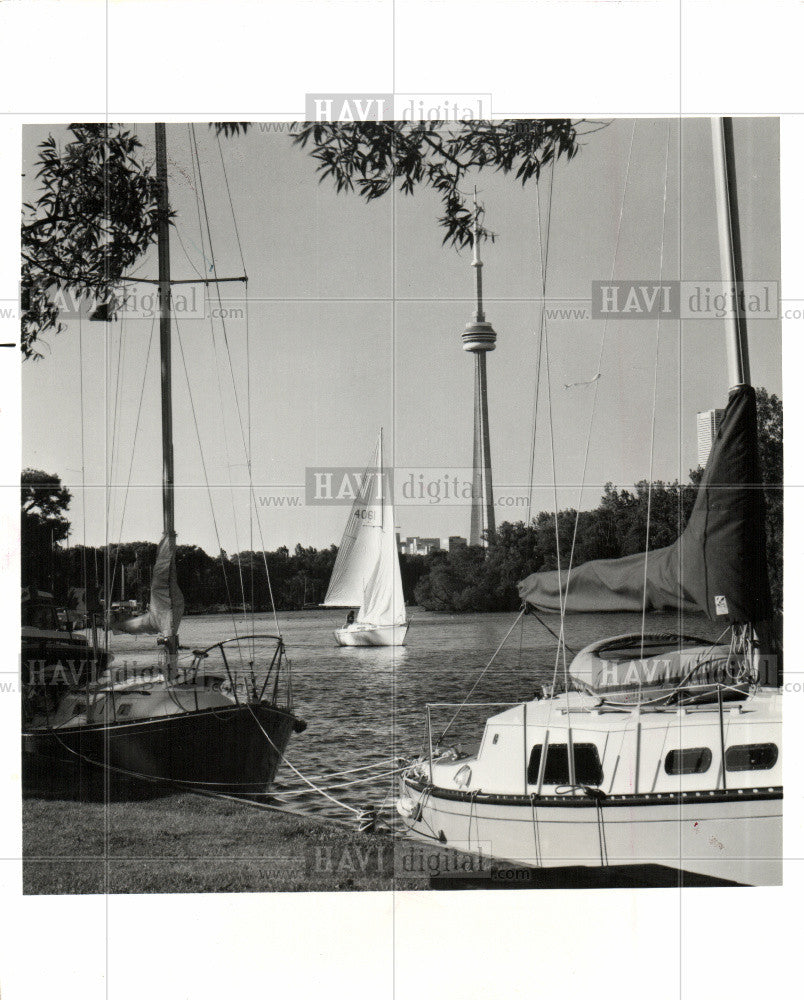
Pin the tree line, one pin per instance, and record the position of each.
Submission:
(468, 579)
(474, 579)
(210, 584)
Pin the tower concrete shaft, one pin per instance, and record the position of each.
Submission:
(482, 488)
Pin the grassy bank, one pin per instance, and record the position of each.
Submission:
(192, 844)
(186, 843)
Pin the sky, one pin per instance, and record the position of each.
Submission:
(353, 320)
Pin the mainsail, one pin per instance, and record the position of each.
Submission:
(366, 572)
(718, 565)
(167, 603)
(383, 603)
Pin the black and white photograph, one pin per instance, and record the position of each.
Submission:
(396, 497)
(361, 563)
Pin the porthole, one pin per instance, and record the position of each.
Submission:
(690, 760)
(752, 757)
(588, 770)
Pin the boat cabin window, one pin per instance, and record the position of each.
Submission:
(692, 760)
(588, 770)
(752, 757)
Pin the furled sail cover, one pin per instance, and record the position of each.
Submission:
(167, 603)
(630, 668)
(717, 566)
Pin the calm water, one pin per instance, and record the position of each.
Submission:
(366, 706)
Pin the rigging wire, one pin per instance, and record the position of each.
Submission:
(200, 191)
(480, 676)
(553, 633)
(653, 411)
(134, 445)
(236, 397)
(193, 184)
(84, 578)
(231, 203)
(214, 269)
(544, 249)
(206, 475)
(193, 153)
(248, 365)
(200, 274)
(563, 600)
(110, 457)
(250, 454)
(116, 415)
(563, 591)
(561, 646)
(201, 204)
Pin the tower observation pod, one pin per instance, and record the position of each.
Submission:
(479, 338)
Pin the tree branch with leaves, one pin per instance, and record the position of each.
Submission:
(96, 212)
(94, 217)
(373, 158)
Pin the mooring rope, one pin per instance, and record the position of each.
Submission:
(343, 784)
(298, 773)
(195, 788)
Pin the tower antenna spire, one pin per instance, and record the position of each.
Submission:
(477, 263)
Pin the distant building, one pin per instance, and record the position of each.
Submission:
(708, 423)
(417, 546)
(456, 542)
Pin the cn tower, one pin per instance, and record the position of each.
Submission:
(479, 337)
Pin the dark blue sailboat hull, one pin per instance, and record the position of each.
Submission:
(233, 750)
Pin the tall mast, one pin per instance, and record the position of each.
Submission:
(163, 236)
(730, 249)
(163, 243)
(739, 370)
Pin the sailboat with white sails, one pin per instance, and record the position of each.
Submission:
(366, 574)
(662, 749)
(217, 721)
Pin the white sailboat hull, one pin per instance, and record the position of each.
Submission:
(731, 836)
(372, 635)
(649, 788)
